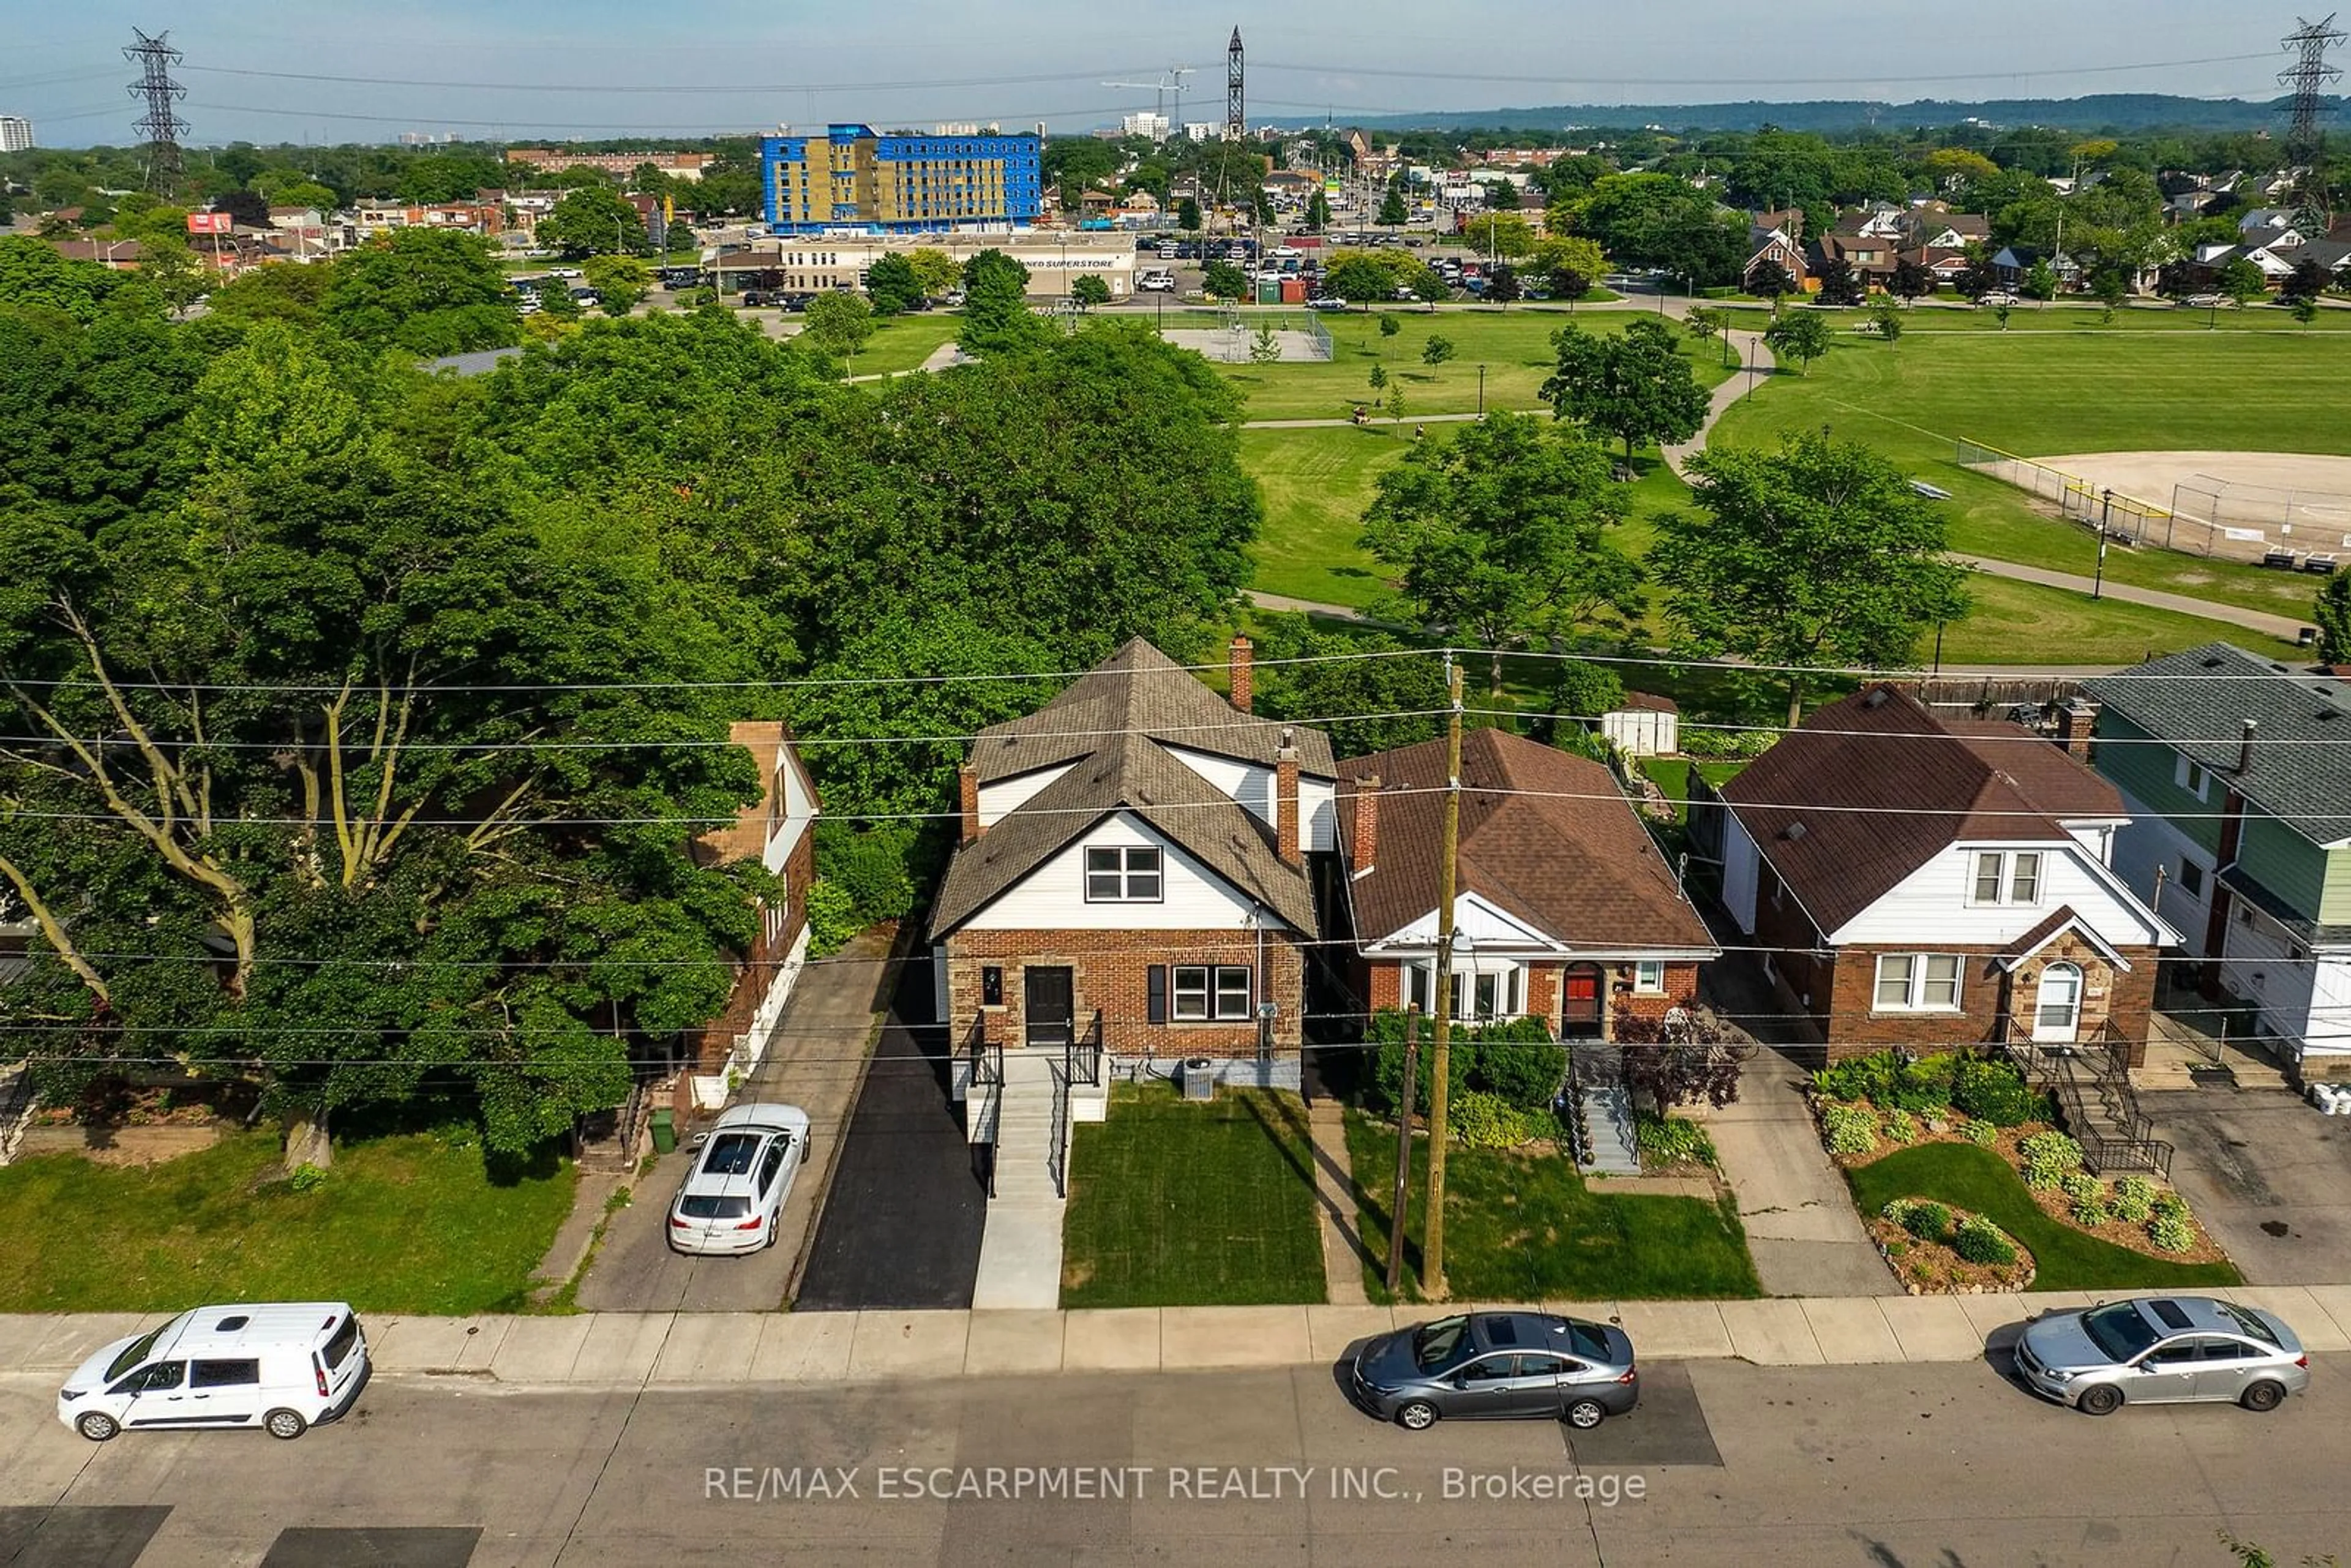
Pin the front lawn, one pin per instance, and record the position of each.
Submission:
(1979, 1179)
(1173, 1204)
(1525, 1227)
(406, 1224)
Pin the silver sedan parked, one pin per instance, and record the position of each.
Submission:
(1497, 1366)
(2162, 1350)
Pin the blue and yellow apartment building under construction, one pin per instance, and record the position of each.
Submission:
(900, 182)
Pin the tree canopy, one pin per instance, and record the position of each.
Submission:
(1635, 385)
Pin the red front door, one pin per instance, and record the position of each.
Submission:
(1580, 1001)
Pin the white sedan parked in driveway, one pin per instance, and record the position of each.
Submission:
(734, 1194)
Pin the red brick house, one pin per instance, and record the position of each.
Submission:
(777, 830)
(1137, 850)
(1919, 880)
(1565, 909)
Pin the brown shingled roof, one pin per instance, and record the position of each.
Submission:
(1872, 788)
(1139, 690)
(1545, 835)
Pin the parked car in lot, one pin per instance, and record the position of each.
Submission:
(1495, 1366)
(1996, 297)
(2204, 301)
(2163, 1350)
(280, 1367)
(1326, 302)
(734, 1192)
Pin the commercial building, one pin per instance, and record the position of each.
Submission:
(619, 165)
(853, 179)
(15, 133)
(811, 263)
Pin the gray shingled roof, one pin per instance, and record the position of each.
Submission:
(1128, 772)
(2198, 702)
(1139, 691)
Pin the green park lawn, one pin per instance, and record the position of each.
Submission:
(2064, 1259)
(1526, 1228)
(2038, 394)
(1513, 345)
(1316, 485)
(904, 343)
(1176, 1204)
(412, 1223)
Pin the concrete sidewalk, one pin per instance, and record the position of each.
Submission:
(1802, 1229)
(614, 1350)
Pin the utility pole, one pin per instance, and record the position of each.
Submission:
(2305, 147)
(1403, 1151)
(161, 124)
(1432, 1245)
(2105, 511)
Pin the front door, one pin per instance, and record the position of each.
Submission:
(1047, 1003)
(1579, 1012)
(2057, 1005)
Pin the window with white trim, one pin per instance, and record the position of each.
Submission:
(1917, 982)
(2006, 878)
(2189, 775)
(1214, 993)
(1650, 978)
(2191, 878)
(1126, 873)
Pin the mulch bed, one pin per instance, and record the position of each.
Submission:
(1929, 1268)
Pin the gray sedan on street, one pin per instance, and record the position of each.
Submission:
(2162, 1350)
(1497, 1365)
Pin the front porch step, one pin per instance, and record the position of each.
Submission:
(1608, 1115)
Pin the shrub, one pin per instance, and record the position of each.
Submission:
(2170, 1203)
(2172, 1232)
(875, 867)
(1926, 1221)
(1525, 1069)
(1483, 1121)
(1994, 1091)
(1899, 1128)
(2134, 1199)
(1849, 1129)
(831, 916)
(2091, 1211)
(1670, 1140)
(2049, 1159)
(1982, 1134)
(1858, 1078)
(1388, 1074)
(1979, 1240)
(307, 1178)
(2081, 1187)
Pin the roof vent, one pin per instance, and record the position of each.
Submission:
(2214, 664)
(1792, 832)
(1876, 697)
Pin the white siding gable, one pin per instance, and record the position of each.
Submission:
(799, 812)
(1000, 797)
(1936, 903)
(1053, 896)
(1483, 923)
(1250, 785)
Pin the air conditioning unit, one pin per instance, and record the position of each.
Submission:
(1199, 1079)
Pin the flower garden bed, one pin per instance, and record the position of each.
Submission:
(1936, 1250)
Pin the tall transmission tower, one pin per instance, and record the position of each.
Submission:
(161, 125)
(2305, 138)
(1235, 121)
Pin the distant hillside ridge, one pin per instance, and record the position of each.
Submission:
(2111, 111)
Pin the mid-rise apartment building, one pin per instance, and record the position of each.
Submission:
(852, 177)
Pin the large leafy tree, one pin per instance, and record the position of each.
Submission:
(1369, 692)
(1500, 532)
(1802, 336)
(593, 221)
(996, 318)
(429, 291)
(1635, 385)
(1817, 554)
(2332, 610)
(892, 284)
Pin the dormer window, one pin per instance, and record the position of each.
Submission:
(2007, 878)
(1123, 874)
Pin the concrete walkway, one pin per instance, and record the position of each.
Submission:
(1344, 1253)
(1741, 384)
(633, 1349)
(2282, 627)
(1801, 1226)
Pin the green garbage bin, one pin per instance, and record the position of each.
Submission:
(665, 1130)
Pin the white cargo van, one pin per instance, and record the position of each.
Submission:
(281, 1366)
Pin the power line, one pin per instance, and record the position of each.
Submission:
(624, 88)
(1558, 78)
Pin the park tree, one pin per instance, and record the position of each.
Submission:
(429, 291)
(593, 221)
(1436, 351)
(1502, 285)
(996, 318)
(1379, 377)
(1090, 290)
(621, 282)
(1819, 554)
(272, 294)
(1360, 277)
(2040, 280)
(1187, 214)
(1318, 210)
(1394, 214)
(2332, 610)
(1635, 385)
(1223, 280)
(1912, 279)
(1770, 281)
(2241, 280)
(1839, 285)
(1886, 321)
(892, 285)
(1500, 532)
(1798, 336)
(1314, 676)
(838, 322)
(935, 272)
(1504, 234)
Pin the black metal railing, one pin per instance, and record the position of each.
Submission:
(1081, 1058)
(1058, 1155)
(2116, 1135)
(983, 1058)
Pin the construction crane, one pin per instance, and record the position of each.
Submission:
(1170, 82)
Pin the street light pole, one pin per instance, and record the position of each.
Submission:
(1481, 391)
(2105, 510)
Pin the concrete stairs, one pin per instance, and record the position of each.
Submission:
(1608, 1113)
(1020, 1250)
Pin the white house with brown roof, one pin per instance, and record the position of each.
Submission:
(1565, 909)
(1918, 881)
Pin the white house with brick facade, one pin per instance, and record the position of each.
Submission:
(1134, 857)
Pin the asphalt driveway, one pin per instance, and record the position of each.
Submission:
(2269, 1177)
(901, 1224)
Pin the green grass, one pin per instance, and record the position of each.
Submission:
(404, 1224)
(1672, 774)
(2064, 1259)
(1947, 313)
(1316, 485)
(904, 343)
(1175, 1204)
(1525, 1227)
(1514, 345)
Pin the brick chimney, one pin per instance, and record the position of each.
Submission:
(1285, 800)
(2076, 722)
(1366, 846)
(1240, 672)
(967, 788)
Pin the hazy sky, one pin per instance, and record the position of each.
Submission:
(585, 67)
